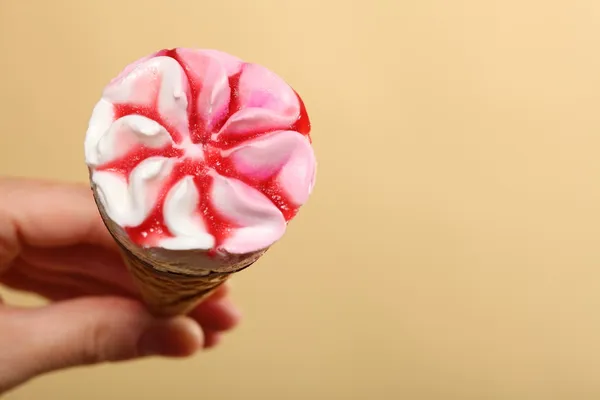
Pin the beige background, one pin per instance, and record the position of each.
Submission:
(450, 250)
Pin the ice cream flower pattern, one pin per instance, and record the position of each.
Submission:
(195, 149)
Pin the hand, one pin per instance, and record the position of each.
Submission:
(53, 243)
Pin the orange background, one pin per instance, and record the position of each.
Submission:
(451, 248)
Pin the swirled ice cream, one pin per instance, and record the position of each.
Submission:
(197, 150)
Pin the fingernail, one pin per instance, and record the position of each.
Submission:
(180, 337)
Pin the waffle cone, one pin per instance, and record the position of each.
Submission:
(167, 293)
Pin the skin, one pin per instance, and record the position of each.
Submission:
(54, 244)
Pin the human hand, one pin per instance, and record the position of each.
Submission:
(53, 243)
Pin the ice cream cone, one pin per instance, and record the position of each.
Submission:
(170, 287)
(198, 161)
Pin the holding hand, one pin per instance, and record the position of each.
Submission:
(53, 243)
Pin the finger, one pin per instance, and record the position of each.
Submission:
(59, 286)
(217, 315)
(53, 293)
(88, 331)
(91, 262)
(49, 214)
(56, 292)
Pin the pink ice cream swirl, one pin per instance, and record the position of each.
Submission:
(195, 149)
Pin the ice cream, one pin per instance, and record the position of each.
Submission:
(199, 160)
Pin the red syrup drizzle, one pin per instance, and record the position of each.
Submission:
(153, 228)
(151, 112)
(302, 125)
(132, 159)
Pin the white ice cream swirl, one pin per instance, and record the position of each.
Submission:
(194, 149)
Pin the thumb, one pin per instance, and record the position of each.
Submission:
(88, 331)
